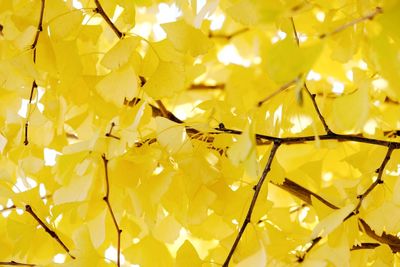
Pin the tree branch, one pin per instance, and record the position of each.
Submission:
(374, 184)
(365, 246)
(371, 16)
(257, 190)
(53, 234)
(279, 90)
(34, 85)
(106, 199)
(321, 118)
(99, 9)
(296, 36)
(302, 192)
(14, 263)
(227, 36)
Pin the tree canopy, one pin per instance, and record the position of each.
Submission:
(199, 133)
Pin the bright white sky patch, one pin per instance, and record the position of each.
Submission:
(111, 253)
(229, 54)
(50, 156)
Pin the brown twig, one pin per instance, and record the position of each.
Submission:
(202, 86)
(106, 199)
(302, 192)
(378, 180)
(279, 90)
(14, 263)
(99, 9)
(227, 36)
(109, 133)
(296, 36)
(53, 234)
(391, 240)
(257, 190)
(378, 10)
(321, 118)
(34, 84)
(365, 245)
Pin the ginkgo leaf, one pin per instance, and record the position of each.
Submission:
(253, 12)
(119, 85)
(172, 136)
(358, 103)
(120, 53)
(331, 222)
(167, 80)
(143, 253)
(187, 39)
(257, 259)
(240, 150)
(64, 25)
(187, 256)
(285, 61)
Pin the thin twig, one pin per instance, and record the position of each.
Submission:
(106, 199)
(321, 118)
(279, 90)
(227, 36)
(39, 29)
(14, 263)
(378, 10)
(378, 180)
(302, 192)
(365, 245)
(99, 9)
(53, 234)
(202, 86)
(296, 36)
(257, 190)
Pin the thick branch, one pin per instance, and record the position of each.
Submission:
(106, 199)
(391, 240)
(53, 234)
(99, 9)
(257, 190)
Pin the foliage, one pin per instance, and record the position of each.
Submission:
(241, 133)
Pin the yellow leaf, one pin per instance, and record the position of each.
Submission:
(257, 259)
(167, 80)
(187, 256)
(285, 61)
(120, 53)
(358, 104)
(149, 252)
(119, 85)
(331, 222)
(240, 150)
(65, 24)
(172, 136)
(167, 230)
(185, 38)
